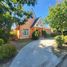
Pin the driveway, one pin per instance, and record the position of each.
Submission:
(36, 54)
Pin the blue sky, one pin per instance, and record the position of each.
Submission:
(41, 9)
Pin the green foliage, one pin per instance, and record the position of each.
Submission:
(59, 40)
(15, 6)
(11, 11)
(1, 42)
(4, 35)
(57, 17)
(65, 39)
(65, 32)
(35, 35)
(53, 34)
(7, 51)
(28, 2)
(44, 33)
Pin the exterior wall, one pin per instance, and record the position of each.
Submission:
(26, 26)
(31, 30)
(17, 33)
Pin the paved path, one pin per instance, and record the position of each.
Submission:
(36, 54)
(63, 62)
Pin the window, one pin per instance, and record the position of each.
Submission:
(25, 32)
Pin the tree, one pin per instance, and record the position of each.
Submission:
(57, 17)
(12, 11)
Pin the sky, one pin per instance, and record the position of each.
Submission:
(41, 9)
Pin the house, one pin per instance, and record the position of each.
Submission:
(26, 30)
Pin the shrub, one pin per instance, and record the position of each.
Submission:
(13, 35)
(1, 42)
(65, 32)
(53, 34)
(65, 39)
(35, 35)
(59, 40)
(7, 51)
(44, 33)
(4, 35)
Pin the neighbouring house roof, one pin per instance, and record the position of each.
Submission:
(35, 22)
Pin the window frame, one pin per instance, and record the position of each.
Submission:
(25, 32)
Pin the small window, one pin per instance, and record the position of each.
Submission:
(25, 32)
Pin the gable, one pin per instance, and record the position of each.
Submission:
(34, 22)
(39, 23)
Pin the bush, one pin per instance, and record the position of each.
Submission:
(7, 51)
(59, 40)
(44, 33)
(1, 42)
(53, 34)
(65, 39)
(35, 35)
(4, 35)
(13, 35)
(65, 32)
